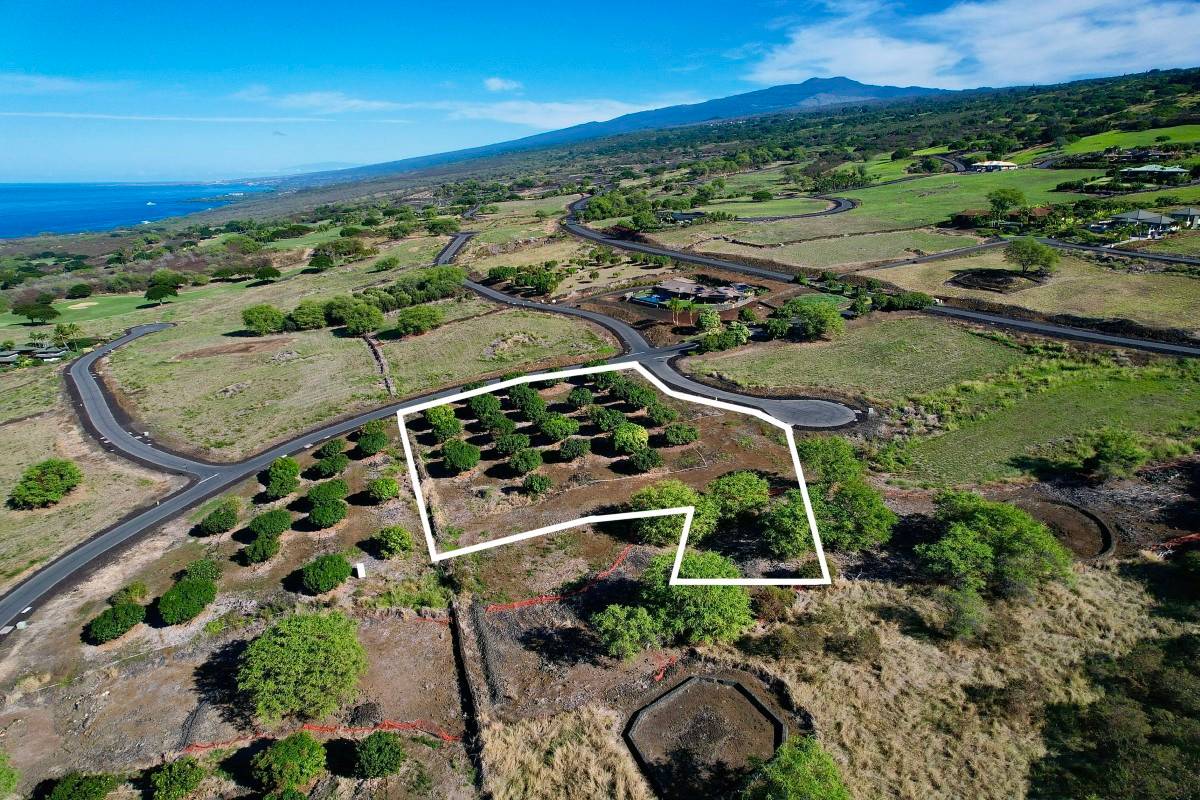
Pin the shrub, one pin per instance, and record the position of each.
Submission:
(114, 622)
(739, 493)
(186, 599)
(772, 603)
(309, 315)
(9, 776)
(606, 419)
(645, 459)
(530, 404)
(271, 523)
(679, 433)
(510, 443)
(786, 528)
(324, 573)
(372, 442)
(327, 513)
(498, 424)
(393, 541)
(135, 592)
(361, 318)
(1116, 453)
(483, 405)
(459, 456)
(379, 755)
(304, 664)
(45, 483)
(664, 494)
(660, 414)
(625, 631)
(381, 490)
(204, 569)
(557, 427)
(443, 423)
(852, 516)
(263, 319)
(221, 519)
(574, 448)
(693, 614)
(417, 320)
(830, 459)
(331, 465)
(816, 320)
(966, 613)
(535, 485)
(525, 461)
(177, 779)
(629, 438)
(328, 490)
(289, 762)
(264, 547)
(78, 786)
(283, 477)
(333, 447)
(799, 769)
(581, 397)
(708, 320)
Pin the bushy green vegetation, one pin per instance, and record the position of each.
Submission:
(393, 541)
(290, 762)
(304, 665)
(83, 786)
(45, 484)
(177, 779)
(185, 600)
(379, 755)
(324, 573)
(115, 621)
(221, 519)
(283, 477)
(799, 770)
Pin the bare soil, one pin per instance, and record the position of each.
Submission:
(259, 345)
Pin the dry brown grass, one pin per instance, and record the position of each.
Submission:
(565, 757)
(905, 726)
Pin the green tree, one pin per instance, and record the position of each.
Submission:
(393, 541)
(852, 516)
(645, 459)
(557, 427)
(371, 442)
(381, 490)
(417, 319)
(625, 631)
(574, 448)
(304, 665)
(283, 477)
(379, 755)
(324, 573)
(289, 762)
(36, 313)
(525, 461)
(799, 770)
(309, 315)
(80, 786)
(443, 422)
(45, 484)
(185, 600)
(1116, 453)
(680, 433)
(535, 485)
(709, 321)
(786, 528)
(664, 494)
(459, 456)
(267, 273)
(9, 776)
(221, 519)
(362, 318)
(114, 622)
(1003, 199)
(66, 334)
(693, 614)
(829, 459)
(762, 196)
(1030, 254)
(738, 493)
(510, 443)
(177, 779)
(817, 320)
(262, 548)
(271, 523)
(327, 513)
(325, 491)
(629, 438)
(334, 447)
(157, 293)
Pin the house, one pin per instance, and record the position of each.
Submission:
(1155, 172)
(992, 166)
(1186, 217)
(1153, 224)
(679, 217)
(971, 217)
(721, 297)
(8, 357)
(49, 354)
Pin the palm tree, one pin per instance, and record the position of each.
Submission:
(675, 305)
(690, 307)
(66, 334)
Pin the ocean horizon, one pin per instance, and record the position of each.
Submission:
(27, 209)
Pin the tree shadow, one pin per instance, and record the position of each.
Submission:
(213, 683)
(1176, 595)
(239, 765)
(566, 647)
(340, 757)
(683, 776)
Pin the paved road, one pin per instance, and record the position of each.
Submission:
(1109, 251)
(840, 204)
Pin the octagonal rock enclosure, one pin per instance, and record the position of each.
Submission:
(698, 738)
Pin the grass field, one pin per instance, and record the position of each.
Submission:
(307, 240)
(745, 207)
(849, 250)
(562, 249)
(1103, 141)
(882, 167)
(495, 343)
(111, 488)
(1182, 195)
(554, 206)
(30, 390)
(1148, 400)
(1079, 288)
(884, 359)
(1184, 243)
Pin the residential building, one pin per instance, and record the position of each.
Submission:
(1186, 217)
(1149, 222)
(1156, 173)
(992, 166)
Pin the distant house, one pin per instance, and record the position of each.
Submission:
(971, 217)
(1153, 224)
(679, 217)
(722, 297)
(1155, 172)
(49, 354)
(8, 357)
(992, 166)
(1186, 217)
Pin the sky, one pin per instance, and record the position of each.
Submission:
(173, 91)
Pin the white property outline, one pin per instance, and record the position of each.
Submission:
(686, 511)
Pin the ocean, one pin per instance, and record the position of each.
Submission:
(30, 208)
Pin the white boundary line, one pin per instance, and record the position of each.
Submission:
(686, 511)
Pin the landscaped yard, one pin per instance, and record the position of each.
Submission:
(1079, 288)
(850, 250)
(884, 358)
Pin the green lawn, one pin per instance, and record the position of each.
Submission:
(1178, 195)
(1184, 243)
(850, 250)
(1148, 400)
(308, 240)
(884, 359)
(1102, 141)
(745, 207)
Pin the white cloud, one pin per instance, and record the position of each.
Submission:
(502, 85)
(986, 42)
(315, 102)
(25, 83)
(153, 117)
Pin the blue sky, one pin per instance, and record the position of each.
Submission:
(173, 91)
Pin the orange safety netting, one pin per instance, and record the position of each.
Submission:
(554, 598)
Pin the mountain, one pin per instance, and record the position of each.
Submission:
(811, 94)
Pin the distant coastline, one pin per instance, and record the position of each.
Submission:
(27, 209)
